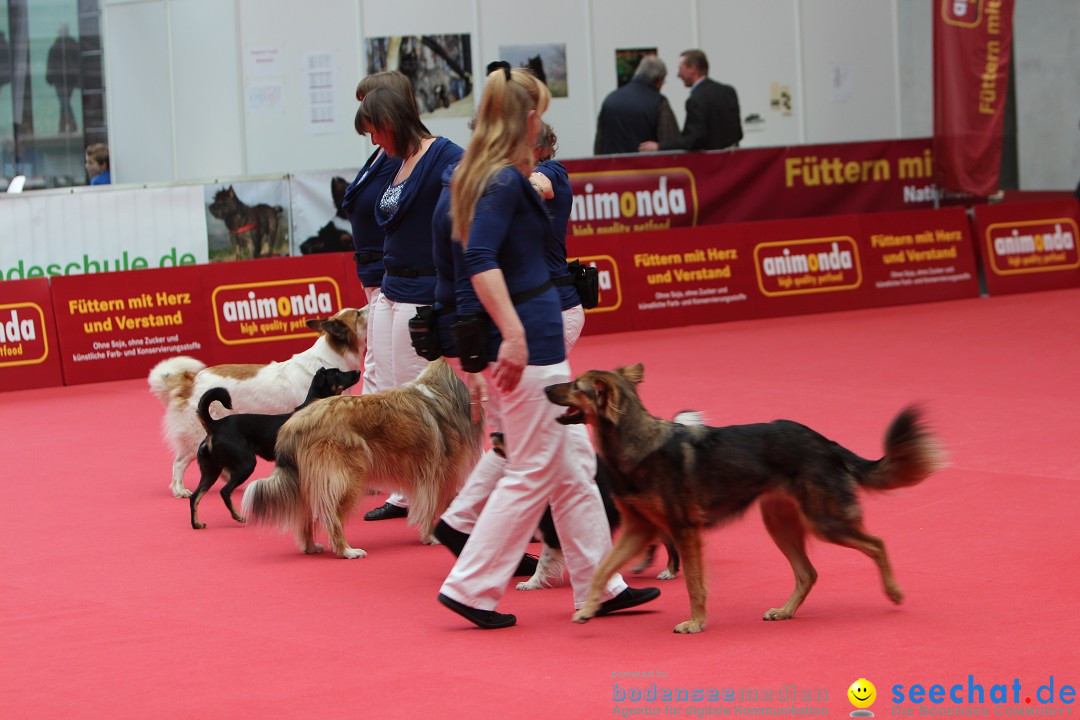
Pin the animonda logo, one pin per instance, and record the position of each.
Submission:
(22, 335)
(792, 267)
(1032, 246)
(276, 310)
(963, 13)
(632, 201)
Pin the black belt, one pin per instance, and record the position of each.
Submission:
(530, 294)
(366, 258)
(411, 272)
(564, 281)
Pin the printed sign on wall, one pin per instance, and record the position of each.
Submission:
(1027, 247)
(29, 357)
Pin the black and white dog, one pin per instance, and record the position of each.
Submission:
(233, 442)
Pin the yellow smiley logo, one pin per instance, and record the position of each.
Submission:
(862, 693)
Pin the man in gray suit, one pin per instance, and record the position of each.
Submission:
(636, 112)
(712, 110)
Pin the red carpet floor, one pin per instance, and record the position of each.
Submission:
(111, 606)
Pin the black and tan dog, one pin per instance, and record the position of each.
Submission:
(680, 479)
(233, 442)
(253, 229)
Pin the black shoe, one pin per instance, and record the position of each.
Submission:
(451, 537)
(527, 566)
(386, 511)
(628, 598)
(486, 619)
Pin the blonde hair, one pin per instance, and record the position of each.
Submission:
(500, 139)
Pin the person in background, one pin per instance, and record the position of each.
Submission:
(63, 70)
(404, 211)
(712, 110)
(513, 311)
(97, 164)
(636, 112)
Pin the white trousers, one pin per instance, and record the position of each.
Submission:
(463, 512)
(396, 361)
(546, 464)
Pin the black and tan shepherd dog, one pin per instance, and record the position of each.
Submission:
(253, 229)
(677, 480)
(420, 439)
(234, 442)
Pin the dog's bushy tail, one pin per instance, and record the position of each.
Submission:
(276, 500)
(912, 454)
(173, 375)
(218, 394)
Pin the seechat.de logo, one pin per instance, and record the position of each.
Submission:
(862, 695)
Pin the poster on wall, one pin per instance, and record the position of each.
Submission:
(1027, 247)
(547, 62)
(626, 62)
(319, 224)
(439, 66)
(247, 220)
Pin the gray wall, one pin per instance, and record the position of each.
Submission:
(184, 100)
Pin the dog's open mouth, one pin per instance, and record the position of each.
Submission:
(572, 416)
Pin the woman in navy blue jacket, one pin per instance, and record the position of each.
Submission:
(404, 212)
(359, 204)
(503, 227)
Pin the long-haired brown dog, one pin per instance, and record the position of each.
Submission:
(420, 439)
(680, 479)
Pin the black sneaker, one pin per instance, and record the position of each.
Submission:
(486, 619)
(628, 598)
(386, 511)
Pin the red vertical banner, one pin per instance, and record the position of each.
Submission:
(972, 51)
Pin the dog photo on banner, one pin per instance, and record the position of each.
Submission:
(247, 220)
(319, 224)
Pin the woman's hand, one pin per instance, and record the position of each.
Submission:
(513, 357)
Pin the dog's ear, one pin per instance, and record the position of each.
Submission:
(316, 324)
(607, 397)
(633, 373)
(337, 330)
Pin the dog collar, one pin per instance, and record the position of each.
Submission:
(245, 228)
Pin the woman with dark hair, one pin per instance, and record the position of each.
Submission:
(502, 227)
(404, 212)
(361, 197)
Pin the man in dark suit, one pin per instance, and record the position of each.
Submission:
(636, 112)
(712, 110)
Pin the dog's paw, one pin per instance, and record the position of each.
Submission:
(639, 568)
(895, 594)
(690, 627)
(666, 574)
(582, 616)
(183, 492)
(353, 553)
(240, 518)
(313, 549)
(430, 540)
(778, 614)
(198, 525)
(532, 583)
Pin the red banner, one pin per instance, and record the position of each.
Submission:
(972, 51)
(115, 326)
(29, 356)
(672, 190)
(740, 271)
(1026, 247)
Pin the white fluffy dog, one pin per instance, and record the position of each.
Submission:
(278, 387)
